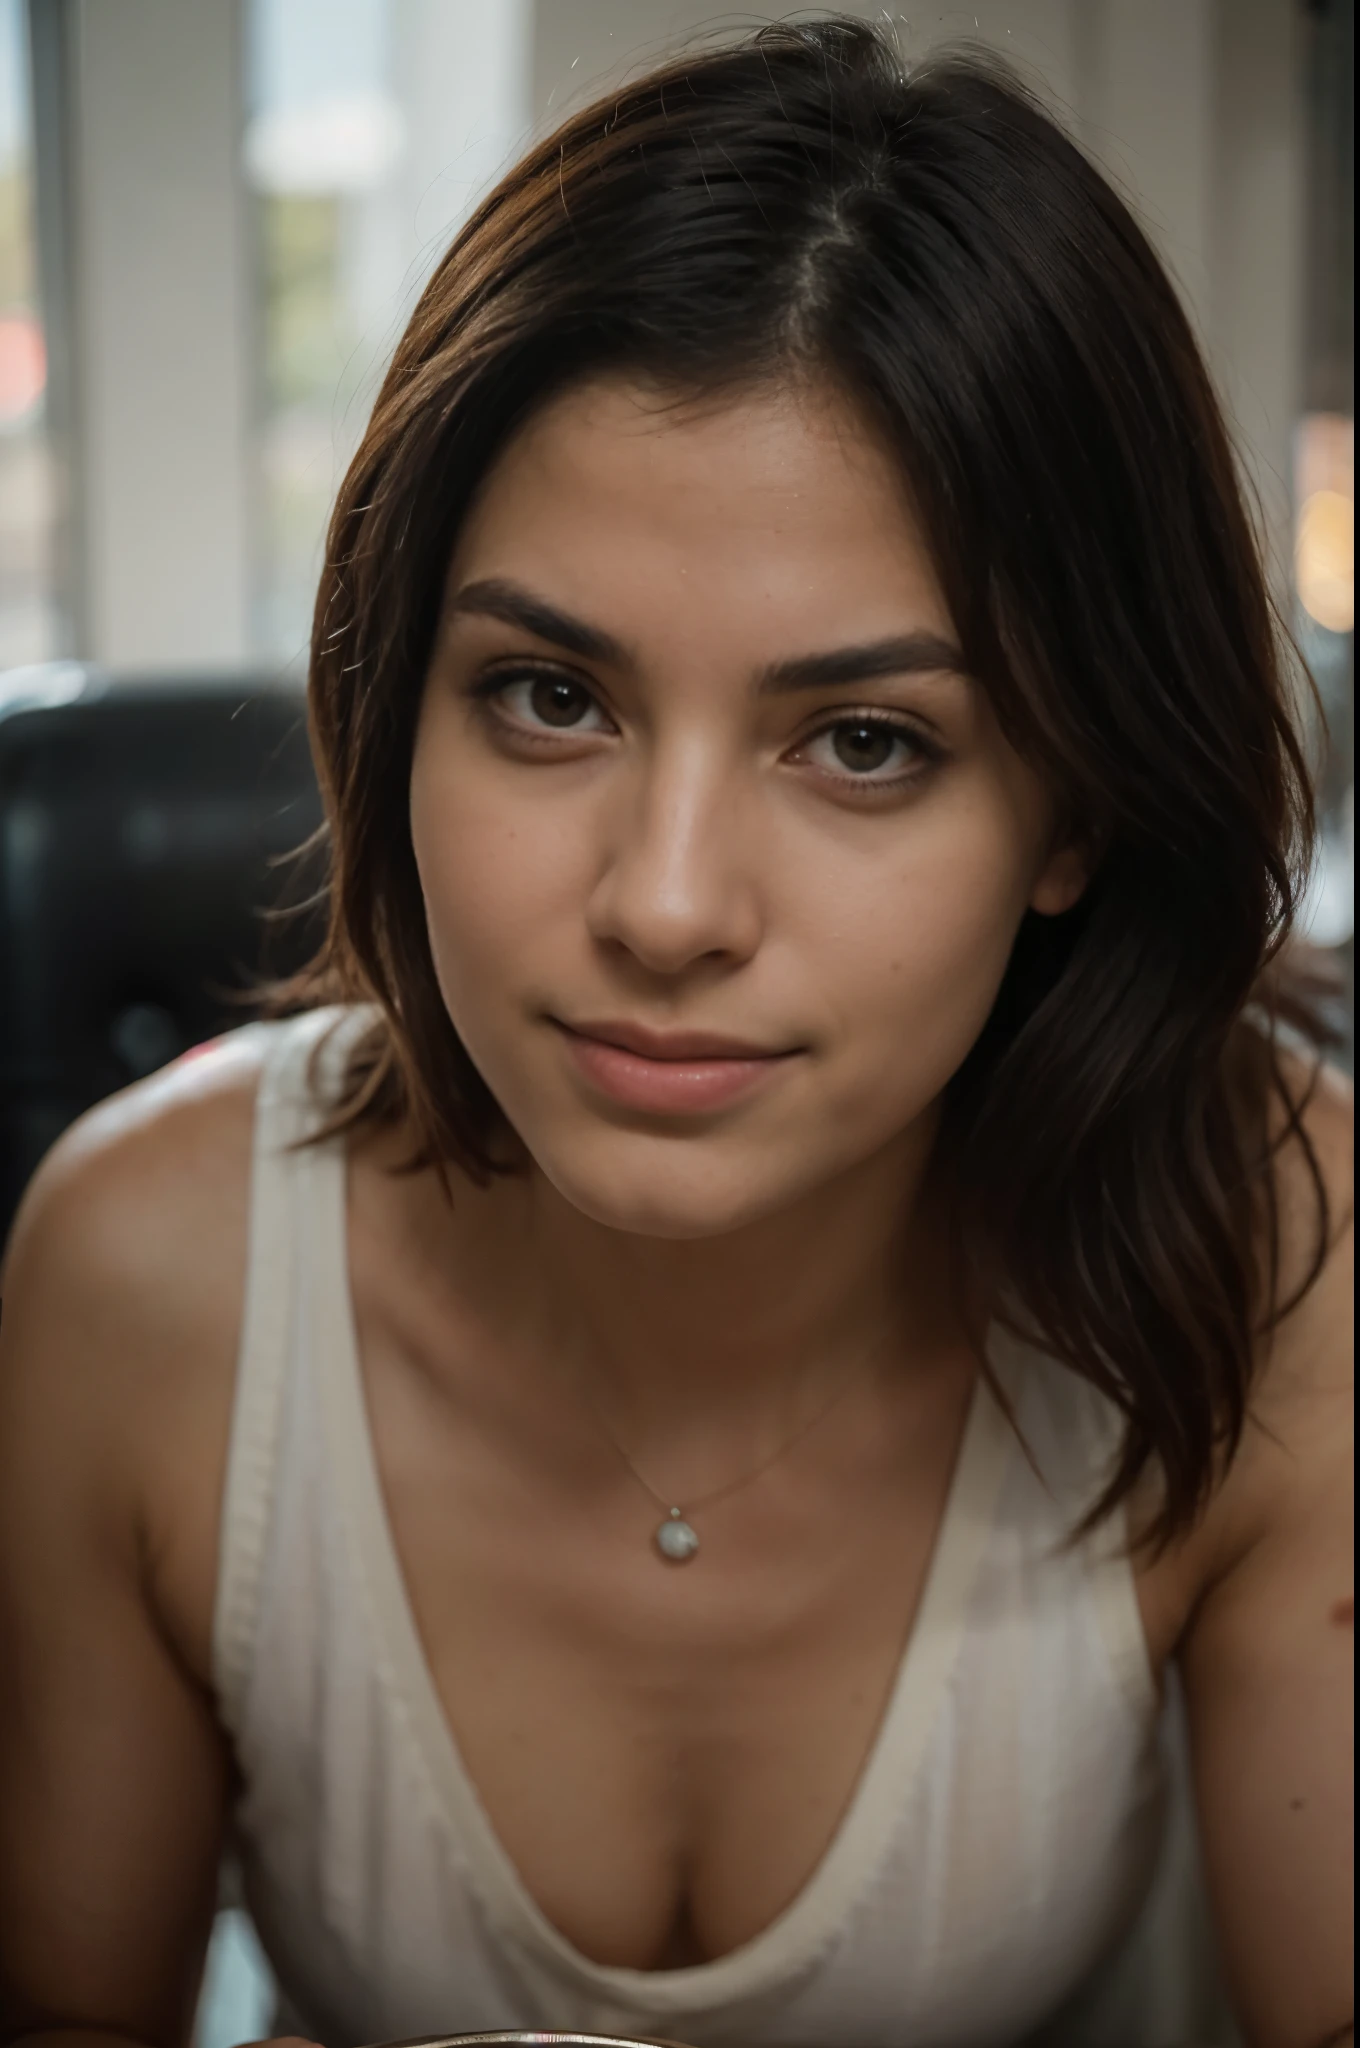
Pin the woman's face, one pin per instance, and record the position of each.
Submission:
(722, 856)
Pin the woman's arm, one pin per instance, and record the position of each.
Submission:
(1268, 1665)
(112, 1771)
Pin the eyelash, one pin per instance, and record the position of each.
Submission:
(488, 690)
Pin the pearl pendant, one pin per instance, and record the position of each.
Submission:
(675, 1539)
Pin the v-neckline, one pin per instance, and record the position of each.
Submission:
(806, 1924)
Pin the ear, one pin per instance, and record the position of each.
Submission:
(1062, 879)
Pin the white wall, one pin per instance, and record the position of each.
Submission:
(163, 456)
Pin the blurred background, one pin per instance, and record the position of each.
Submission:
(215, 216)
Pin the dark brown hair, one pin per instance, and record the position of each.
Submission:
(799, 202)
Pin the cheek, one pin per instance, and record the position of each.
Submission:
(916, 957)
(498, 877)
(448, 837)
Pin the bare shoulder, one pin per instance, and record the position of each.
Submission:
(144, 1178)
(1309, 1353)
(1267, 1658)
(122, 1305)
(1294, 1463)
(1315, 1162)
(123, 1278)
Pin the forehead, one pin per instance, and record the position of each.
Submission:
(779, 501)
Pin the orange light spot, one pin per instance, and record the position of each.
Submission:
(23, 365)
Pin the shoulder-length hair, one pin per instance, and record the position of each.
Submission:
(800, 203)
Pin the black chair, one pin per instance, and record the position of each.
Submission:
(143, 829)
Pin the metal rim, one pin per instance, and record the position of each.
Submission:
(531, 2038)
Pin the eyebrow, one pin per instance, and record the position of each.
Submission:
(495, 598)
(918, 653)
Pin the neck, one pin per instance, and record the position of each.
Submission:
(744, 1334)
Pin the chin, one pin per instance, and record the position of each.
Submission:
(680, 1199)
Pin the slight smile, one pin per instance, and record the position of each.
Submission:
(667, 1073)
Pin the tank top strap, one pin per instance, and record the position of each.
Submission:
(302, 1061)
(1070, 1435)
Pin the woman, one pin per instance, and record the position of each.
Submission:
(651, 1466)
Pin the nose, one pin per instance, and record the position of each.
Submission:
(677, 885)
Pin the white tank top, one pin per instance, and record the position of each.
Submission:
(999, 1843)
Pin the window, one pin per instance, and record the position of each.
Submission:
(1324, 457)
(28, 623)
(1324, 579)
(372, 126)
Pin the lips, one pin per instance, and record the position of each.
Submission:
(672, 1045)
(667, 1072)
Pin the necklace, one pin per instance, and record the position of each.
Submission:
(676, 1538)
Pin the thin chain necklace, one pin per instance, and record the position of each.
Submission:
(676, 1538)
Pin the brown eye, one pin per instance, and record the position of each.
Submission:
(541, 704)
(870, 753)
(558, 701)
(861, 748)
